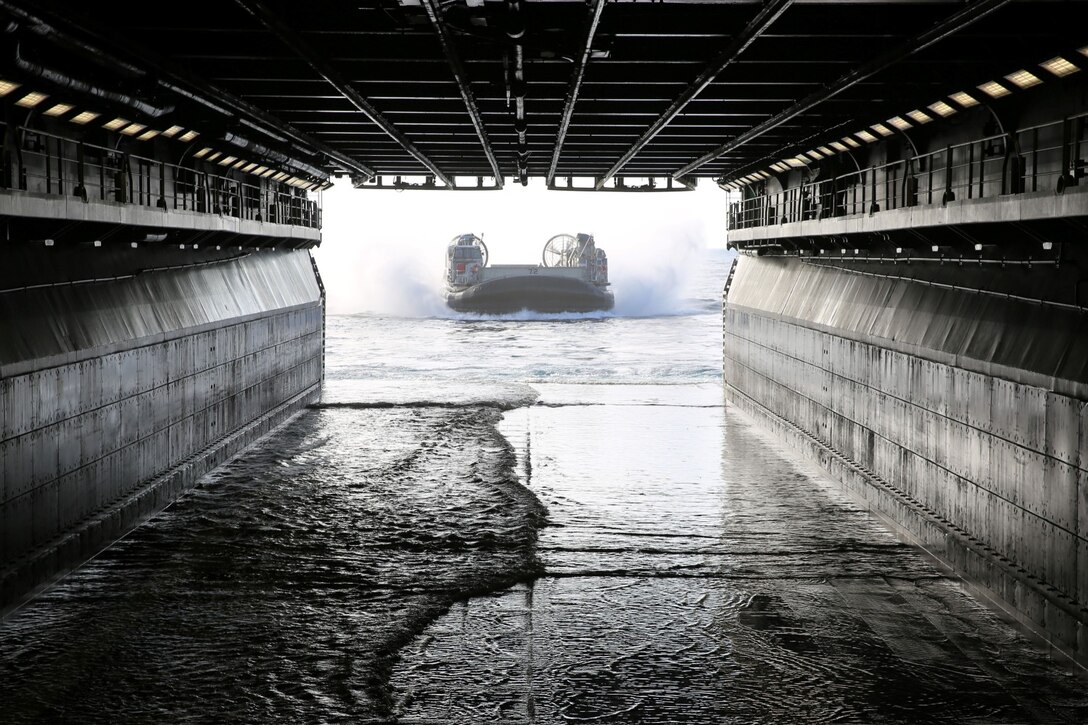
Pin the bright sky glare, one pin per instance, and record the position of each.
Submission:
(373, 238)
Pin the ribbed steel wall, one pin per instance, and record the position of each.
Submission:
(117, 395)
(961, 417)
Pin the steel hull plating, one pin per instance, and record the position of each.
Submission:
(529, 292)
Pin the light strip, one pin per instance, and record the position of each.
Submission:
(852, 142)
(188, 136)
(839, 146)
(201, 153)
(115, 124)
(919, 117)
(881, 129)
(899, 123)
(147, 135)
(58, 110)
(796, 163)
(1023, 79)
(942, 109)
(7, 87)
(250, 167)
(993, 89)
(172, 131)
(85, 117)
(867, 137)
(825, 151)
(1059, 66)
(214, 156)
(227, 160)
(31, 99)
(133, 128)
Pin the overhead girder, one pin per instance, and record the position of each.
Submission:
(434, 13)
(949, 25)
(315, 60)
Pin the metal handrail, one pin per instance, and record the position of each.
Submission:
(50, 164)
(998, 164)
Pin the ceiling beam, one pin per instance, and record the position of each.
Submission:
(575, 86)
(303, 49)
(948, 26)
(763, 20)
(463, 84)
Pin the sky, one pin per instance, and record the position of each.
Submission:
(383, 250)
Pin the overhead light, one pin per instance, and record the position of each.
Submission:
(839, 146)
(868, 137)
(851, 142)
(115, 124)
(202, 152)
(900, 123)
(7, 87)
(780, 167)
(941, 108)
(825, 151)
(964, 99)
(227, 160)
(84, 117)
(881, 129)
(1023, 79)
(815, 155)
(172, 131)
(240, 164)
(993, 89)
(1060, 67)
(260, 170)
(147, 135)
(188, 136)
(249, 168)
(267, 173)
(919, 117)
(280, 176)
(214, 156)
(58, 110)
(796, 162)
(31, 99)
(764, 175)
(133, 128)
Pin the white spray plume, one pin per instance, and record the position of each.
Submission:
(384, 252)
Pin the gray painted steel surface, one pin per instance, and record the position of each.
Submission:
(116, 395)
(961, 417)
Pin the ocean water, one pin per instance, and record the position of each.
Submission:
(522, 519)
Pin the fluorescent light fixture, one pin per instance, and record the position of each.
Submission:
(815, 155)
(84, 117)
(268, 173)
(115, 124)
(964, 99)
(1060, 67)
(214, 156)
(227, 160)
(249, 168)
(852, 142)
(1023, 79)
(839, 146)
(942, 109)
(58, 110)
(280, 176)
(172, 131)
(881, 129)
(260, 170)
(919, 117)
(147, 135)
(764, 175)
(7, 87)
(825, 151)
(780, 167)
(202, 152)
(240, 164)
(31, 99)
(188, 136)
(868, 137)
(993, 89)
(133, 128)
(796, 162)
(901, 123)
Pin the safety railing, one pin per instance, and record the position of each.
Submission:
(1035, 158)
(44, 163)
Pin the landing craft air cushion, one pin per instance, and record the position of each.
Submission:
(572, 277)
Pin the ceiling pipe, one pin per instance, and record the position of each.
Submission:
(575, 87)
(459, 74)
(755, 28)
(516, 31)
(950, 25)
(63, 80)
(304, 50)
